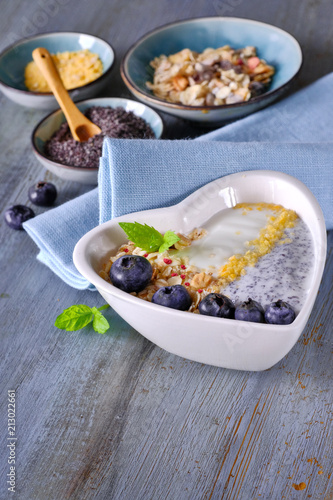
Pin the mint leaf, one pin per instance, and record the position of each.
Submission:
(78, 316)
(143, 236)
(147, 237)
(169, 239)
(100, 324)
(74, 318)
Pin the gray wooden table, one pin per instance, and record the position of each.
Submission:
(114, 416)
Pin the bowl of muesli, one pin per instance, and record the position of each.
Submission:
(212, 70)
(256, 238)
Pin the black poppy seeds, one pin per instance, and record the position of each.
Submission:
(114, 122)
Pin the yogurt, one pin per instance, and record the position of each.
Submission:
(227, 234)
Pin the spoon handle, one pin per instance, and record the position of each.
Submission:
(73, 115)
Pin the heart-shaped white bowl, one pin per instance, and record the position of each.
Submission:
(216, 341)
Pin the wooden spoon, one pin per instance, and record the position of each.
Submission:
(82, 128)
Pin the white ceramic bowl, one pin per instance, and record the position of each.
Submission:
(221, 342)
(44, 130)
(14, 59)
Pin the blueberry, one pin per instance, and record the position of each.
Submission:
(17, 214)
(42, 194)
(279, 313)
(176, 297)
(216, 304)
(250, 310)
(131, 273)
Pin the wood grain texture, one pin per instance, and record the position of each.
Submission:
(113, 416)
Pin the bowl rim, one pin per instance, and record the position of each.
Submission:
(85, 268)
(51, 34)
(157, 101)
(83, 101)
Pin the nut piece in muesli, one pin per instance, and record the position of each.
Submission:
(212, 78)
(254, 252)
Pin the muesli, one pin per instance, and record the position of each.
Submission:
(211, 78)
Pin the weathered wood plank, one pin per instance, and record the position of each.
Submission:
(114, 416)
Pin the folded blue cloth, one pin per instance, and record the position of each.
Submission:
(57, 231)
(150, 174)
(292, 136)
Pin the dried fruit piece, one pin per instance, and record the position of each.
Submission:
(253, 62)
(180, 82)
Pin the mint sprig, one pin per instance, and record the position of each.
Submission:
(147, 237)
(78, 316)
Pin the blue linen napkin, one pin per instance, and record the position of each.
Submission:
(292, 136)
(57, 231)
(150, 174)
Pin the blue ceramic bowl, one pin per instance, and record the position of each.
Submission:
(274, 45)
(46, 128)
(14, 59)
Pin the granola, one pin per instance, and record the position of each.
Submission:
(170, 269)
(211, 78)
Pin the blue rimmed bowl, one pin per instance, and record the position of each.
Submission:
(14, 59)
(51, 123)
(276, 46)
